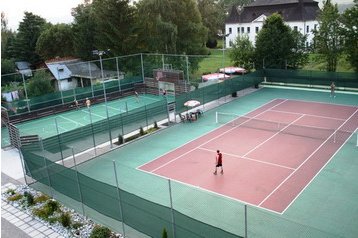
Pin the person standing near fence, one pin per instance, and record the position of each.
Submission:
(76, 104)
(88, 102)
(136, 96)
(333, 89)
(219, 162)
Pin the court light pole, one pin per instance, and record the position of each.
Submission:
(223, 35)
(100, 53)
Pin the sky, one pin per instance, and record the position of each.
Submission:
(54, 11)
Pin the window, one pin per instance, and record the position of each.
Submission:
(238, 30)
(231, 44)
(69, 80)
(307, 29)
(256, 29)
(315, 26)
(242, 29)
(230, 30)
(295, 28)
(248, 29)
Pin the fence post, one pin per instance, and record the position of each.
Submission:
(94, 141)
(119, 82)
(23, 165)
(142, 65)
(78, 181)
(171, 207)
(245, 220)
(48, 174)
(187, 69)
(90, 74)
(119, 197)
(59, 141)
(146, 115)
(27, 99)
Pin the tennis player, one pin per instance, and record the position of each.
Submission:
(136, 96)
(88, 102)
(219, 162)
(333, 89)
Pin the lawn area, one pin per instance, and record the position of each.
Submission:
(314, 63)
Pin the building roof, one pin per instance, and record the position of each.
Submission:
(290, 10)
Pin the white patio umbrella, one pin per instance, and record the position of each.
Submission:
(214, 76)
(233, 70)
(192, 103)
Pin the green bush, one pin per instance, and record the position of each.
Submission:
(29, 198)
(10, 191)
(164, 233)
(76, 225)
(120, 139)
(65, 219)
(100, 232)
(47, 210)
(141, 131)
(156, 125)
(52, 206)
(15, 197)
(42, 198)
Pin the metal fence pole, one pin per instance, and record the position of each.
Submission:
(163, 61)
(59, 141)
(187, 69)
(245, 221)
(27, 99)
(23, 166)
(119, 82)
(119, 198)
(48, 174)
(78, 181)
(94, 141)
(142, 65)
(90, 74)
(120, 115)
(171, 207)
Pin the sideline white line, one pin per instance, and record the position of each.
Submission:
(247, 158)
(304, 161)
(326, 103)
(83, 110)
(214, 138)
(68, 119)
(113, 108)
(310, 115)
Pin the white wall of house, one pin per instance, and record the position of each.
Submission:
(66, 84)
(252, 29)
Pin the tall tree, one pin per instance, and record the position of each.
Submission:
(7, 37)
(114, 20)
(212, 15)
(83, 30)
(170, 26)
(349, 32)
(242, 52)
(299, 56)
(28, 32)
(328, 42)
(274, 43)
(39, 84)
(56, 40)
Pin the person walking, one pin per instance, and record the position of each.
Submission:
(219, 162)
(333, 89)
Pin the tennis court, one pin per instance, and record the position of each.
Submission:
(270, 154)
(308, 203)
(57, 124)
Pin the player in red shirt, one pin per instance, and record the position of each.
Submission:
(219, 162)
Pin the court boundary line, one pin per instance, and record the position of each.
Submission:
(227, 131)
(331, 118)
(211, 192)
(289, 176)
(248, 158)
(91, 113)
(138, 167)
(113, 108)
(326, 103)
(76, 123)
(329, 160)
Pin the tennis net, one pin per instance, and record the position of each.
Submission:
(319, 133)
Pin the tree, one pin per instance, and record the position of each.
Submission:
(170, 26)
(83, 30)
(242, 52)
(212, 16)
(40, 84)
(327, 39)
(274, 43)
(299, 56)
(7, 37)
(25, 42)
(114, 21)
(56, 40)
(349, 32)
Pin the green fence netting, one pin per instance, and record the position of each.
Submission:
(305, 77)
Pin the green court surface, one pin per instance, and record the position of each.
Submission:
(327, 207)
(59, 123)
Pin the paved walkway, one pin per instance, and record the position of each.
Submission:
(25, 222)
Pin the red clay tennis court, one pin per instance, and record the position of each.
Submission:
(270, 155)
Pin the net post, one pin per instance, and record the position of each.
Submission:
(171, 207)
(245, 207)
(78, 181)
(59, 140)
(119, 197)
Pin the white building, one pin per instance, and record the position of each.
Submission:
(300, 15)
